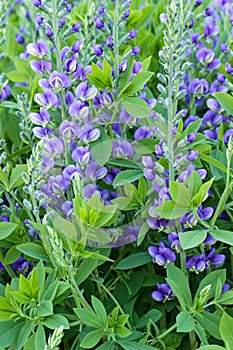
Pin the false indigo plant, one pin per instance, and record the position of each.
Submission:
(116, 174)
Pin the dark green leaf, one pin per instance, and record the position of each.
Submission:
(133, 261)
(226, 330)
(40, 339)
(136, 107)
(210, 322)
(91, 339)
(6, 229)
(179, 284)
(99, 310)
(9, 331)
(222, 236)
(34, 250)
(89, 318)
(225, 100)
(127, 163)
(127, 176)
(109, 345)
(145, 146)
(23, 336)
(55, 321)
(185, 322)
(191, 239)
(45, 308)
(131, 345)
(153, 315)
(171, 210)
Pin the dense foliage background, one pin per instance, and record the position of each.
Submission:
(116, 174)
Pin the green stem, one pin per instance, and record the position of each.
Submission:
(226, 192)
(168, 331)
(115, 301)
(7, 267)
(78, 296)
(116, 43)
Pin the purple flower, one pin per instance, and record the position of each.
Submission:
(213, 105)
(20, 39)
(198, 87)
(162, 255)
(132, 34)
(93, 171)
(98, 23)
(53, 146)
(142, 132)
(57, 184)
(41, 118)
(98, 51)
(37, 3)
(39, 50)
(163, 292)
(126, 14)
(174, 241)
(137, 67)
(90, 190)
(47, 99)
(123, 66)
(83, 92)
(228, 135)
(192, 155)
(135, 50)
(229, 68)
(110, 42)
(21, 265)
(205, 213)
(122, 149)
(69, 172)
(48, 31)
(205, 56)
(211, 29)
(76, 27)
(101, 10)
(78, 110)
(59, 81)
(199, 263)
(68, 129)
(77, 46)
(41, 67)
(41, 133)
(81, 155)
(39, 19)
(163, 17)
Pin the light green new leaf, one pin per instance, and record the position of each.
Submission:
(136, 107)
(225, 100)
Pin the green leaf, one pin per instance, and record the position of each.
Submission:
(55, 321)
(100, 310)
(210, 322)
(102, 151)
(171, 210)
(15, 178)
(180, 193)
(146, 62)
(40, 340)
(185, 322)
(136, 84)
(9, 331)
(222, 236)
(6, 229)
(17, 77)
(179, 284)
(211, 347)
(213, 162)
(34, 250)
(109, 345)
(193, 127)
(23, 336)
(9, 104)
(127, 163)
(153, 315)
(122, 331)
(86, 267)
(11, 256)
(45, 308)
(212, 278)
(226, 298)
(142, 233)
(91, 339)
(145, 146)
(89, 318)
(131, 345)
(191, 239)
(226, 330)
(225, 100)
(66, 227)
(3, 178)
(136, 107)
(127, 176)
(194, 183)
(201, 196)
(133, 261)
